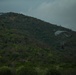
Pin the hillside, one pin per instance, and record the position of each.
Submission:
(24, 39)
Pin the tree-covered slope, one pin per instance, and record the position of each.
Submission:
(25, 39)
(39, 29)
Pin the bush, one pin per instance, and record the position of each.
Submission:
(53, 72)
(26, 71)
(5, 71)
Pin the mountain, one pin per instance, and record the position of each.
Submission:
(24, 39)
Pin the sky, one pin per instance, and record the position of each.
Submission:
(60, 12)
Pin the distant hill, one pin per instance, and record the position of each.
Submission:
(26, 39)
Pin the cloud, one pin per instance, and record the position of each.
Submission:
(18, 5)
(62, 12)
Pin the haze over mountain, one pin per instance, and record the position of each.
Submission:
(60, 12)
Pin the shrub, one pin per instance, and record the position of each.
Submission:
(53, 72)
(22, 70)
(5, 71)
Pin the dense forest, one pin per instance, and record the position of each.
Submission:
(29, 46)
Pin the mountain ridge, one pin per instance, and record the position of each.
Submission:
(35, 25)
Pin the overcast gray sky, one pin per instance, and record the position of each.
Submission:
(60, 12)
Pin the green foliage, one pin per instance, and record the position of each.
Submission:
(25, 40)
(53, 72)
(5, 70)
(23, 70)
